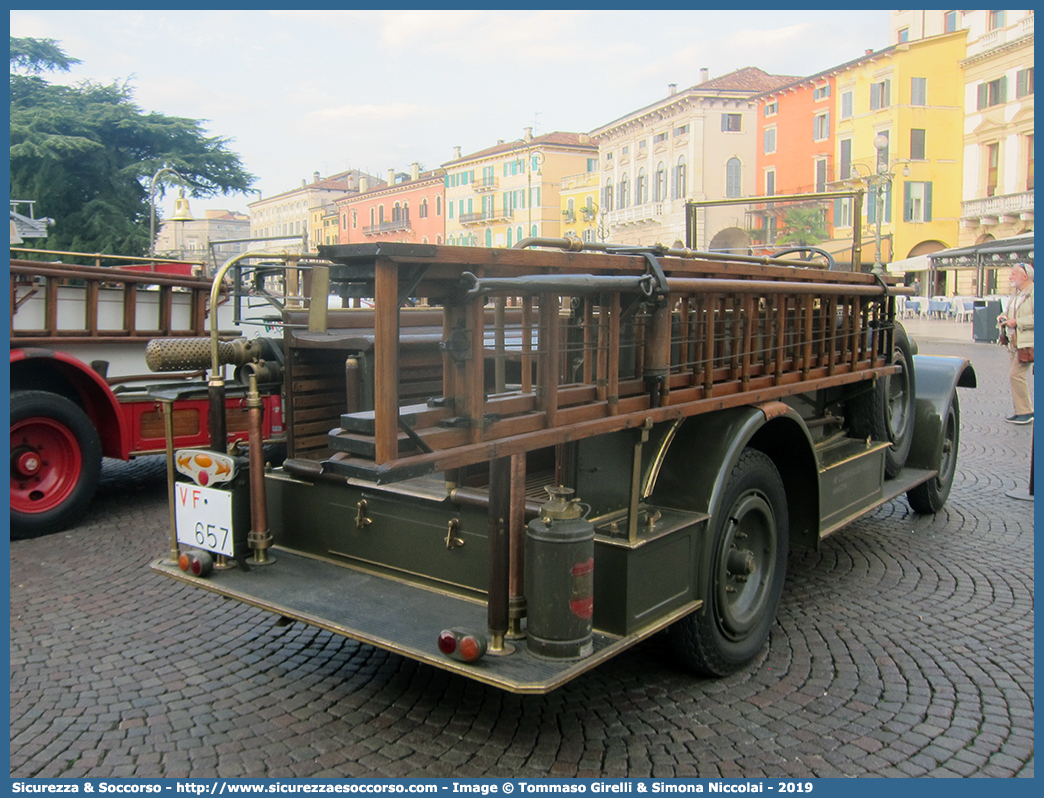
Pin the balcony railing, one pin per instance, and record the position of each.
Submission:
(484, 184)
(638, 214)
(484, 217)
(1004, 205)
(386, 227)
(995, 38)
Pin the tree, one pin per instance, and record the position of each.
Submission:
(86, 153)
(805, 226)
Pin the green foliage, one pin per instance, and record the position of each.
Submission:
(804, 225)
(86, 153)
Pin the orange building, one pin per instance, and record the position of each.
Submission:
(408, 209)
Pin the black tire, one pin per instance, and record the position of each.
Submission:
(55, 462)
(886, 413)
(931, 496)
(751, 534)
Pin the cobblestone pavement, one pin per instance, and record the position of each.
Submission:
(904, 647)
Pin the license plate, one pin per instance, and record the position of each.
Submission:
(203, 517)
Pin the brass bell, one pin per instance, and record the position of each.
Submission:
(181, 209)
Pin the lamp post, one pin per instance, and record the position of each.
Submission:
(539, 157)
(181, 212)
(878, 181)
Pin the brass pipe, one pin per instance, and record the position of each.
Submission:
(168, 431)
(259, 539)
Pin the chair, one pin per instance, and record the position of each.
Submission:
(963, 309)
(911, 306)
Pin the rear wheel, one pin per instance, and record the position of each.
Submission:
(931, 496)
(887, 412)
(746, 575)
(55, 462)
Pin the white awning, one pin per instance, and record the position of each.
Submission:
(918, 263)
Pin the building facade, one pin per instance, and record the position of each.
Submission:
(699, 144)
(408, 207)
(581, 215)
(500, 195)
(200, 239)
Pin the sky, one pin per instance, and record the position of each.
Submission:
(298, 92)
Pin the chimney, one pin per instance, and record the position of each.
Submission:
(391, 177)
(315, 177)
(303, 182)
(456, 153)
(364, 183)
(415, 171)
(529, 134)
(499, 142)
(868, 52)
(704, 75)
(672, 89)
(583, 138)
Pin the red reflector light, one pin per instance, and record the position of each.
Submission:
(460, 645)
(447, 642)
(184, 562)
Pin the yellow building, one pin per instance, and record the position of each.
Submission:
(581, 216)
(500, 195)
(900, 120)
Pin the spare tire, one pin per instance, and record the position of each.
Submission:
(887, 412)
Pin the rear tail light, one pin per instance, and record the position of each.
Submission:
(464, 646)
(197, 563)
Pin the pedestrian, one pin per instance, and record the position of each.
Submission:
(1016, 333)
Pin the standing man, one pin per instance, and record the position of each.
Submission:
(1017, 333)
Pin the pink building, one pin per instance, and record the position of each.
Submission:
(409, 209)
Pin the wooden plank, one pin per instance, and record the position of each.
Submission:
(386, 359)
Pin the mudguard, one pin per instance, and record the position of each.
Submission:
(937, 379)
(706, 449)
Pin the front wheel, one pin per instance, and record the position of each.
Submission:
(55, 462)
(931, 496)
(746, 572)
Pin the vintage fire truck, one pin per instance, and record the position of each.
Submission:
(515, 464)
(79, 381)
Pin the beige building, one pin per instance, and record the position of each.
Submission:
(510, 191)
(695, 144)
(286, 219)
(192, 240)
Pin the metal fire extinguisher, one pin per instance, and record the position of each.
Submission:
(559, 579)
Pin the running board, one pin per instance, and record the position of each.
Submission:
(400, 617)
(906, 480)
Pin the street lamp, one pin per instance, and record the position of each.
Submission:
(181, 209)
(878, 182)
(539, 158)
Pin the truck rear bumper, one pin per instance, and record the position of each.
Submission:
(400, 617)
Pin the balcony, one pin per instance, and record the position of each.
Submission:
(1006, 208)
(999, 37)
(486, 217)
(401, 225)
(649, 212)
(484, 184)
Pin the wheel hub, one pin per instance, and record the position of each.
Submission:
(27, 463)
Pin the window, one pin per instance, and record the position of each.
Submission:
(917, 144)
(917, 202)
(449, 208)
(625, 150)
(821, 174)
(992, 168)
(608, 156)
(660, 186)
(821, 126)
(681, 130)
(769, 143)
(846, 105)
(993, 93)
(950, 22)
(918, 91)
(772, 108)
(680, 178)
(844, 159)
(821, 92)
(731, 123)
(1029, 162)
(882, 154)
(373, 217)
(904, 35)
(733, 178)
(355, 220)
(592, 164)
(623, 193)
(510, 237)
(641, 188)
(770, 182)
(879, 94)
(843, 212)
(489, 236)
(380, 214)
(1024, 82)
(996, 20)
(871, 204)
(438, 206)
(607, 195)
(643, 144)
(659, 137)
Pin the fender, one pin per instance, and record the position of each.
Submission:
(707, 447)
(66, 375)
(937, 379)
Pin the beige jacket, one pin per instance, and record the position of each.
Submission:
(1020, 307)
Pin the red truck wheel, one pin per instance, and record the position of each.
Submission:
(55, 462)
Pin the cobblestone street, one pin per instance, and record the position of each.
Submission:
(903, 647)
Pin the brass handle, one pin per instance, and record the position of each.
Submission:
(452, 541)
(361, 521)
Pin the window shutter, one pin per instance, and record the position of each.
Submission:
(1002, 89)
(907, 202)
(984, 94)
(837, 212)
(928, 201)
(885, 93)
